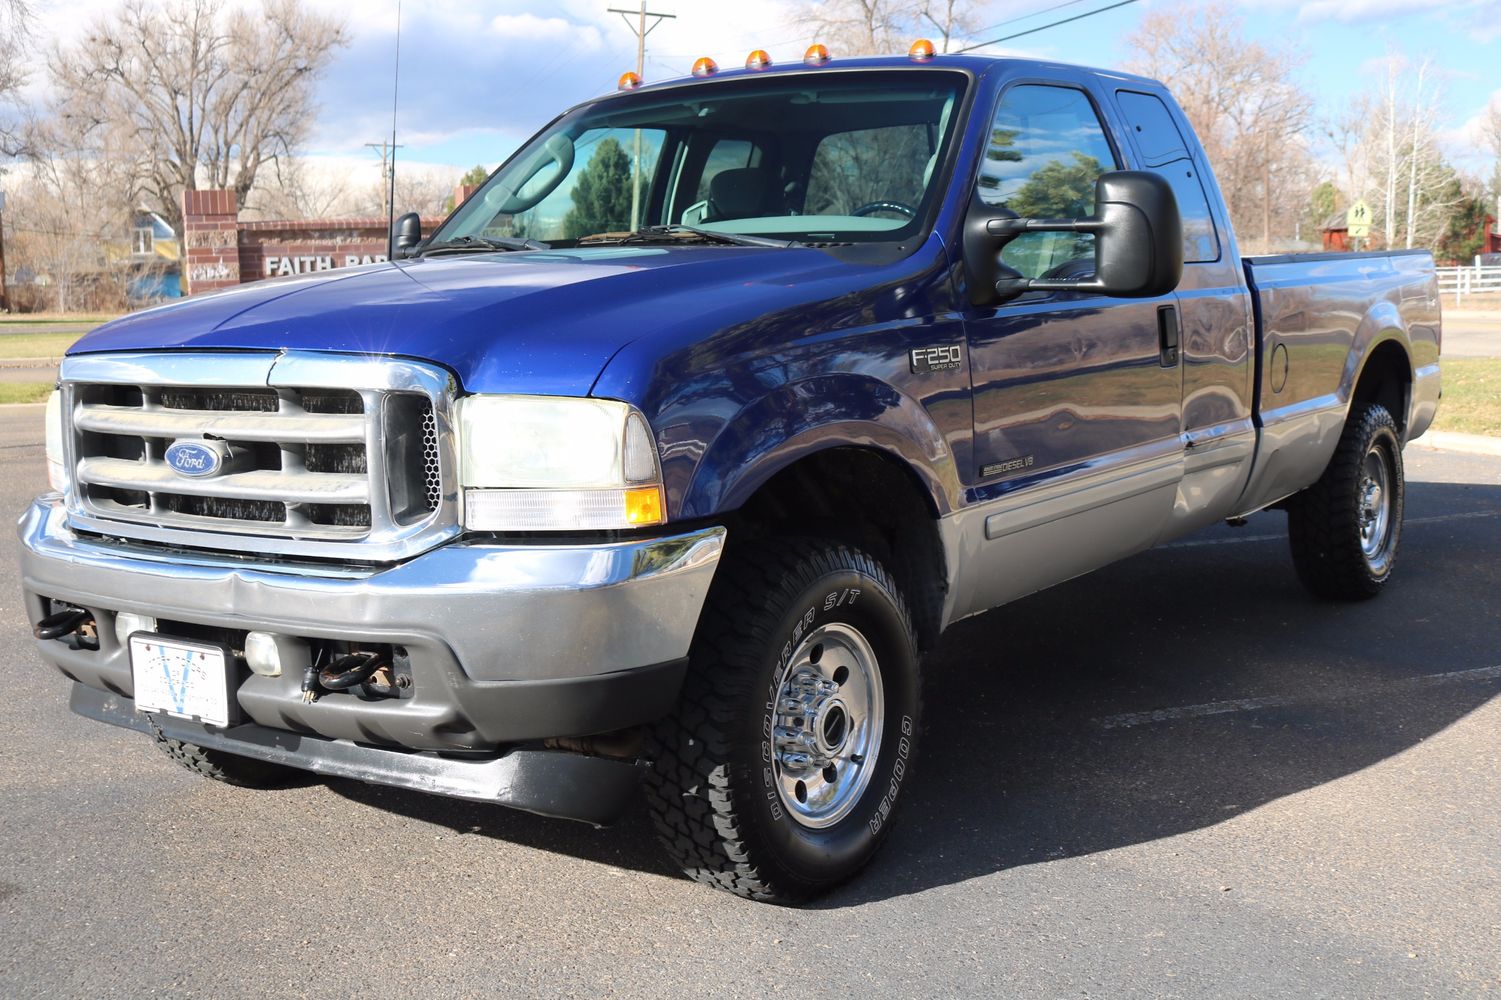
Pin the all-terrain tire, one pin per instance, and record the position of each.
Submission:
(718, 789)
(229, 768)
(1346, 527)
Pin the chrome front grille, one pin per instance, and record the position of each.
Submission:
(327, 455)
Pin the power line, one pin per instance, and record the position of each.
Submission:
(1045, 27)
(1028, 17)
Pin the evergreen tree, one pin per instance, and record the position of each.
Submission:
(602, 194)
(476, 174)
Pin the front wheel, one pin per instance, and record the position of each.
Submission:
(779, 774)
(229, 768)
(1345, 528)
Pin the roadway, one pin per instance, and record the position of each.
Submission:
(1180, 777)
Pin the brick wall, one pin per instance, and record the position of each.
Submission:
(222, 251)
(211, 237)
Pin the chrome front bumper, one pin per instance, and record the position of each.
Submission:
(507, 642)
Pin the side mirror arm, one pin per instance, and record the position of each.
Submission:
(987, 231)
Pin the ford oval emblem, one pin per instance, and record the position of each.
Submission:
(194, 458)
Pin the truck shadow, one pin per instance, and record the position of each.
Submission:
(1036, 748)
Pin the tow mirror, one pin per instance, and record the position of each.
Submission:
(406, 234)
(1138, 243)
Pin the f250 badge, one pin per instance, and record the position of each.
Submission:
(936, 359)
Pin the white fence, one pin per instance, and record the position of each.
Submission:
(1462, 281)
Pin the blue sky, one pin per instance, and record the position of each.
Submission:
(479, 76)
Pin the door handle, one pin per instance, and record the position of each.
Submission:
(1167, 336)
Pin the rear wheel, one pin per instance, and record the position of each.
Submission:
(779, 773)
(1345, 529)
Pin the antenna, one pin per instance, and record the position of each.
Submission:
(391, 177)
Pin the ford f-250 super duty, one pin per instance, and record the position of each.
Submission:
(604, 486)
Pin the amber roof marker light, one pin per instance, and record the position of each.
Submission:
(922, 50)
(816, 55)
(628, 81)
(704, 66)
(758, 59)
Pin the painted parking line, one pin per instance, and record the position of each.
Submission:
(1126, 720)
(1406, 522)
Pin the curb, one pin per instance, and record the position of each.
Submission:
(1471, 444)
(30, 362)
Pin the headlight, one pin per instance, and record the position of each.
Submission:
(550, 463)
(57, 473)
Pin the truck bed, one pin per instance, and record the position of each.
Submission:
(1317, 315)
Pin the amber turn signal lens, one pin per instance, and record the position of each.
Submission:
(757, 60)
(816, 55)
(705, 67)
(628, 81)
(921, 51)
(643, 506)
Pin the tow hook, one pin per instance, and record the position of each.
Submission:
(62, 623)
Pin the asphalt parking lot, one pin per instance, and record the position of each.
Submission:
(1180, 777)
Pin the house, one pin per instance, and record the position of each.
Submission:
(154, 261)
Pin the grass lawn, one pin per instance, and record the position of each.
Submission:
(1472, 396)
(24, 392)
(35, 345)
(43, 320)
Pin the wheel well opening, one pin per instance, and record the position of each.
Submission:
(867, 499)
(1387, 380)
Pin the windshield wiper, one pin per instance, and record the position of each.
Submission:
(677, 233)
(479, 243)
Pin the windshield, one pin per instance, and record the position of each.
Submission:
(831, 157)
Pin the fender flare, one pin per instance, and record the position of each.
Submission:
(797, 420)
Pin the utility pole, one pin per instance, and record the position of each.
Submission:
(387, 151)
(4, 300)
(641, 30)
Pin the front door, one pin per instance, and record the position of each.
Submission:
(1078, 408)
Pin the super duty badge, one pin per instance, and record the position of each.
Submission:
(936, 359)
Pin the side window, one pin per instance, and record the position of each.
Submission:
(727, 154)
(1164, 150)
(1047, 148)
(871, 169)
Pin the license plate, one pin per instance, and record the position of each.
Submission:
(189, 680)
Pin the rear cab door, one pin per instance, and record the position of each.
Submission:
(1216, 323)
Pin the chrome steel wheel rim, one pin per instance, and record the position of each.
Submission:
(826, 730)
(1375, 504)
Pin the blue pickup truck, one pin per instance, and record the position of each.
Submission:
(659, 465)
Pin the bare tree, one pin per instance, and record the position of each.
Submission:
(880, 27)
(1490, 128)
(1414, 193)
(1244, 101)
(15, 32)
(949, 18)
(206, 95)
(291, 188)
(71, 220)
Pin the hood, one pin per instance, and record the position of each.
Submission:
(543, 322)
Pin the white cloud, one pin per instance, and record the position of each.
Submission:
(1466, 144)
